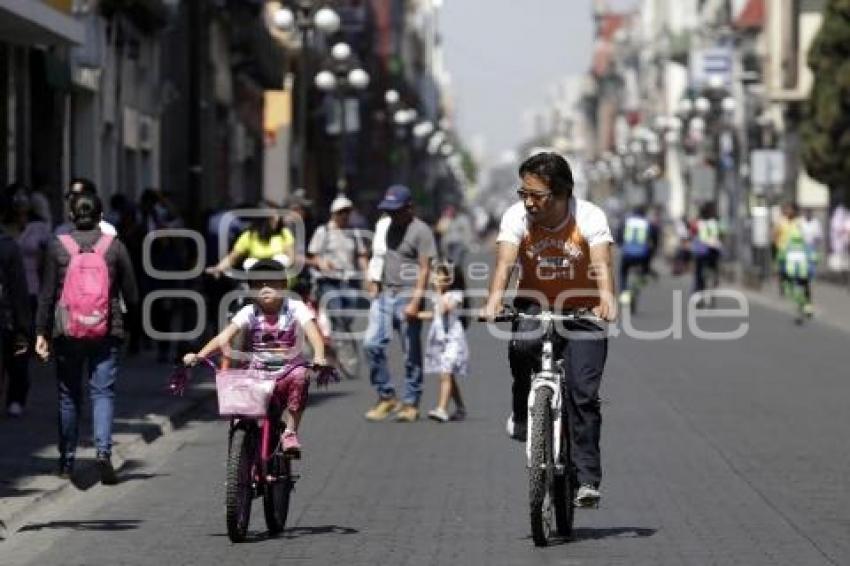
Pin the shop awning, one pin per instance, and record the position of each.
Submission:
(31, 22)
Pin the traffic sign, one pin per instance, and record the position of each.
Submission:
(767, 169)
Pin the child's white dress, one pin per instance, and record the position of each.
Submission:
(446, 350)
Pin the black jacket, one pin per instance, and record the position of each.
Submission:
(122, 281)
(15, 315)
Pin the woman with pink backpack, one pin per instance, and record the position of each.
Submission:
(80, 321)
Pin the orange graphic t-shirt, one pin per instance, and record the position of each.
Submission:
(555, 262)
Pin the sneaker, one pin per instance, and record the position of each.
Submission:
(407, 414)
(107, 472)
(439, 415)
(458, 415)
(808, 310)
(516, 429)
(587, 496)
(382, 410)
(291, 446)
(15, 410)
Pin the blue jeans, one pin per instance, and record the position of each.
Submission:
(101, 360)
(386, 314)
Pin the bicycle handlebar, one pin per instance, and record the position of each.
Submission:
(509, 314)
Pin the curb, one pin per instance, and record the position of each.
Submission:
(778, 305)
(86, 474)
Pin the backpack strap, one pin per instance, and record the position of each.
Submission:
(103, 244)
(70, 244)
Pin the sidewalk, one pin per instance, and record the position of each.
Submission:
(831, 302)
(144, 411)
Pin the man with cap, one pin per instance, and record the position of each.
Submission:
(339, 258)
(398, 274)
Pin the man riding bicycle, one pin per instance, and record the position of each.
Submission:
(706, 246)
(795, 258)
(637, 240)
(563, 247)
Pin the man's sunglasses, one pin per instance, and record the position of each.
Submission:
(533, 195)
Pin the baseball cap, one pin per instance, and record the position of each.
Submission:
(341, 203)
(396, 197)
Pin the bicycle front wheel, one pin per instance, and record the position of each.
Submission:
(541, 470)
(348, 356)
(240, 490)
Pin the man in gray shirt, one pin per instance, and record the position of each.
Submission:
(398, 274)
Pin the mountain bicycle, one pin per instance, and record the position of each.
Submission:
(552, 482)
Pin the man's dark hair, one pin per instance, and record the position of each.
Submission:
(707, 211)
(86, 211)
(553, 169)
(86, 186)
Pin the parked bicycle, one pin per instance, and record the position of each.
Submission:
(552, 482)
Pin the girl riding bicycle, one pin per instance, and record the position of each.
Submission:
(272, 328)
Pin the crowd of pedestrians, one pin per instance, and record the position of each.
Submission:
(71, 292)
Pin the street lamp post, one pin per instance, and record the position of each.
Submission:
(401, 119)
(304, 16)
(344, 76)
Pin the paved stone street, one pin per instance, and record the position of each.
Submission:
(714, 453)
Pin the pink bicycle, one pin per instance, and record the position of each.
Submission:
(256, 463)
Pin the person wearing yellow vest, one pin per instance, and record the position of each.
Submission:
(266, 238)
(795, 258)
(563, 247)
(637, 238)
(706, 245)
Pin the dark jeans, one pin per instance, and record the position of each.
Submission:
(709, 260)
(17, 370)
(18, 367)
(97, 360)
(626, 265)
(585, 357)
(803, 282)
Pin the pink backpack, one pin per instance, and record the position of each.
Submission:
(84, 304)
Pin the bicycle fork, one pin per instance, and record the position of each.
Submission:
(549, 378)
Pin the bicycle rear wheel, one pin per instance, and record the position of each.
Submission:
(541, 471)
(278, 489)
(348, 357)
(239, 490)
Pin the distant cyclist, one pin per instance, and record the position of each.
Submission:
(795, 257)
(563, 247)
(636, 245)
(266, 238)
(706, 245)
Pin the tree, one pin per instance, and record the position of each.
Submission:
(826, 120)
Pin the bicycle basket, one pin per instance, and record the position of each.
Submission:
(244, 392)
